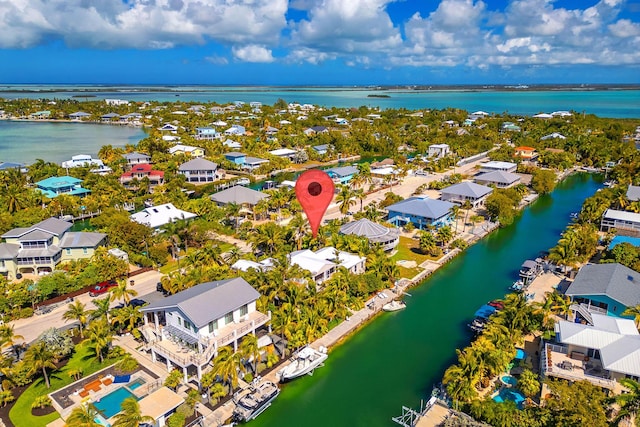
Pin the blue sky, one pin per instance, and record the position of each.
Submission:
(323, 42)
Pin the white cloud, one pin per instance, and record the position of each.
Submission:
(625, 28)
(252, 53)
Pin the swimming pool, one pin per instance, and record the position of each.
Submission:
(509, 380)
(510, 394)
(109, 405)
(520, 354)
(135, 384)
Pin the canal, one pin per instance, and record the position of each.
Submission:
(396, 359)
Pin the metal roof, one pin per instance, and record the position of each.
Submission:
(633, 193)
(52, 225)
(613, 280)
(422, 207)
(468, 189)
(136, 156)
(208, 301)
(343, 171)
(498, 176)
(622, 215)
(9, 250)
(240, 195)
(82, 239)
(199, 164)
(371, 230)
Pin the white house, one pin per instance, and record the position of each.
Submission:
(439, 150)
(188, 328)
(498, 166)
(157, 216)
(285, 153)
(324, 262)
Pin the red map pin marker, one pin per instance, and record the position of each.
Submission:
(314, 190)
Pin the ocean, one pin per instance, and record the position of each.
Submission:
(24, 142)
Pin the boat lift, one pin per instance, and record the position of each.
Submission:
(410, 416)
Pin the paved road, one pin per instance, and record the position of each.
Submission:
(32, 327)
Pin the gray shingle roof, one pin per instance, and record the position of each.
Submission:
(613, 280)
(199, 164)
(8, 250)
(35, 236)
(371, 230)
(500, 177)
(53, 226)
(82, 239)
(467, 189)
(239, 195)
(136, 156)
(633, 193)
(343, 170)
(422, 207)
(208, 301)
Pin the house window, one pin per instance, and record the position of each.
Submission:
(179, 320)
(213, 326)
(85, 251)
(187, 324)
(228, 318)
(68, 251)
(244, 310)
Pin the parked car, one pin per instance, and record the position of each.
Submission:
(102, 288)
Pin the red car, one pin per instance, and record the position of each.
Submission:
(102, 288)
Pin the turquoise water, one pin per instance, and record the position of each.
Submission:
(109, 405)
(603, 103)
(510, 394)
(24, 142)
(509, 380)
(396, 360)
(135, 384)
(520, 354)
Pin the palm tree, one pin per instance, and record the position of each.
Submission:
(467, 207)
(635, 312)
(528, 383)
(127, 316)
(360, 195)
(226, 365)
(453, 213)
(76, 311)
(102, 308)
(233, 210)
(249, 349)
(123, 292)
(83, 416)
(561, 304)
(545, 308)
(130, 416)
(100, 336)
(39, 357)
(629, 402)
(345, 198)
(8, 337)
(444, 235)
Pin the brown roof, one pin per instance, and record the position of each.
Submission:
(159, 403)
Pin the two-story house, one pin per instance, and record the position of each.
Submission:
(136, 158)
(421, 212)
(56, 185)
(324, 262)
(199, 170)
(40, 248)
(187, 329)
(134, 178)
(462, 192)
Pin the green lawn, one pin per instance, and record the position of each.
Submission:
(404, 251)
(83, 358)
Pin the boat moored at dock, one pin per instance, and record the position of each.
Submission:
(254, 400)
(304, 362)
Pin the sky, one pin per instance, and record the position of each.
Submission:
(319, 42)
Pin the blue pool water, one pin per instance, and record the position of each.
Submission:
(520, 354)
(510, 394)
(109, 405)
(135, 384)
(509, 380)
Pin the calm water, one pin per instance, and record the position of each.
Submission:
(609, 103)
(24, 142)
(397, 359)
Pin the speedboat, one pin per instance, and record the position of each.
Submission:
(254, 400)
(478, 324)
(304, 362)
(394, 305)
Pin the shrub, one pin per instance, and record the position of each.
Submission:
(127, 365)
(41, 402)
(248, 377)
(176, 420)
(6, 397)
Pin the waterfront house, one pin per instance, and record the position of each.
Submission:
(602, 352)
(188, 150)
(236, 157)
(633, 193)
(131, 118)
(321, 150)
(40, 115)
(82, 160)
(622, 221)
(239, 195)
(421, 211)
(56, 185)
(136, 158)
(438, 151)
(110, 117)
(542, 116)
(10, 165)
(460, 193)
(40, 248)
(342, 174)
(252, 163)
(527, 154)
(199, 170)
(160, 215)
(132, 179)
(498, 166)
(498, 179)
(187, 329)
(79, 115)
(326, 261)
(387, 237)
(604, 288)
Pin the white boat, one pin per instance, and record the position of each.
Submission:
(243, 181)
(394, 305)
(304, 362)
(254, 400)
